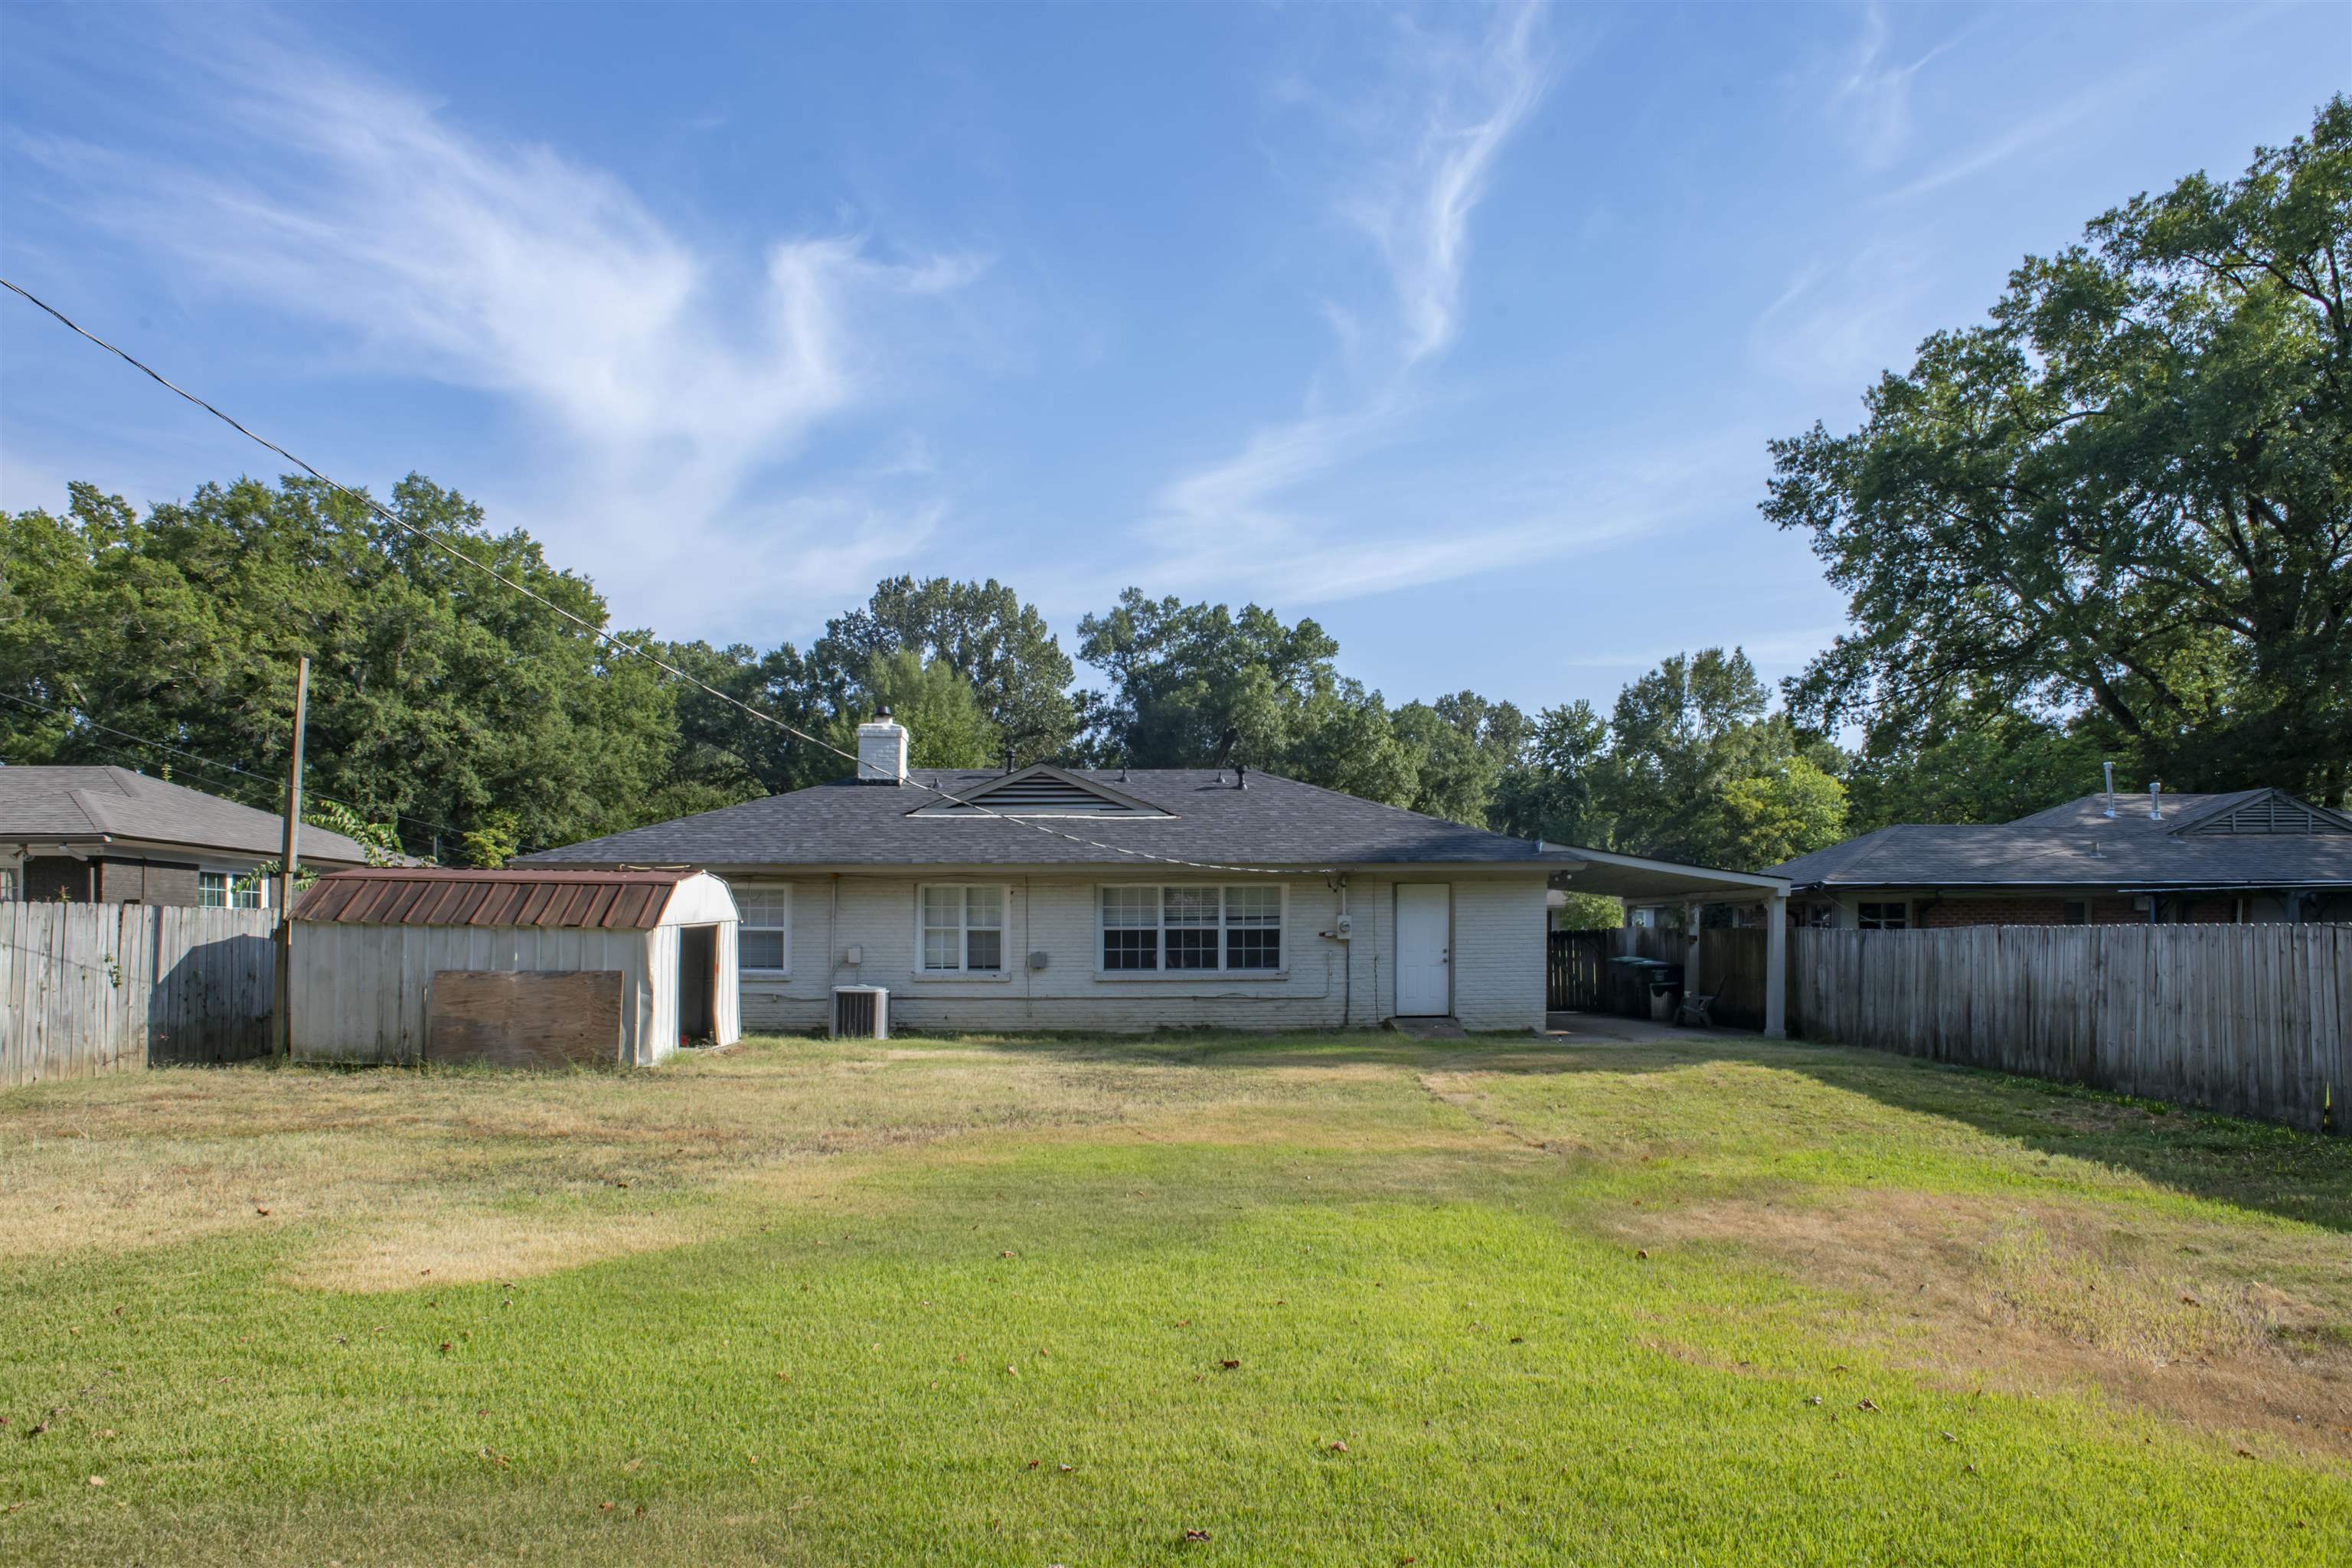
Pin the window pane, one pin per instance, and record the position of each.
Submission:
(212, 890)
(759, 948)
(1253, 905)
(1254, 947)
(1127, 948)
(984, 907)
(942, 906)
(1190, 906)
(985, 949)
(1192, 948)
(1132, 907)
(940, 947)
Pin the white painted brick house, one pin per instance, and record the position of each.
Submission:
(1110, 900)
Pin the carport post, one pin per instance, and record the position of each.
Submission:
(1776, 967)
(1690, 947)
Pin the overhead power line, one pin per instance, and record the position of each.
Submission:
(619, 644)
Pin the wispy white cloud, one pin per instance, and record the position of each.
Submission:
(1429, 141)
(1871, 95)
(1841, 321)
(657, 378)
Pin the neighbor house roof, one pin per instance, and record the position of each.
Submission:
(2257, 839)
(1090, 819)
(607, 900)
(86, 807)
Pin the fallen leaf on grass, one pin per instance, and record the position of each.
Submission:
(98, 1480)
(1067, 1468)
(1866, 1405)
(631, 1465)
(1229, 1365)
(1641, 1252)
(495, 1457)
(1339, 1447)
(259, 1210)
(1196, 1535)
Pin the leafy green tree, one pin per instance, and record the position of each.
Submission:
(2130, 491)
(1186, 677)
(1461, 745)
(437, 696)
(983, 632)
(1980, 764)
(946, 724)
(1551, 792)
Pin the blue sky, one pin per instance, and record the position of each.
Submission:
(1461, 330)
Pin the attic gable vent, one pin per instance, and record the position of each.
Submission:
(2274, 811)
(1042, 792)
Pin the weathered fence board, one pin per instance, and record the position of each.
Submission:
(2253, 1020)
(87, 989)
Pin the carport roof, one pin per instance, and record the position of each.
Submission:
(1638, 880)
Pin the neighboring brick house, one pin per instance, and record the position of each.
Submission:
(109, 835)
(1111, 900)
(2256, 855)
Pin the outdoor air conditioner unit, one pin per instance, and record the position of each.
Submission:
(861, 1013)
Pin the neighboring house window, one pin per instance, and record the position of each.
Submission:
(2078, 912)
(963, 930)
(763, 930)
(227, 890)
(1821, 915)
(1881, 917)
(1191, 928)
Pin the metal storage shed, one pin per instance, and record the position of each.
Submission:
(405, 965)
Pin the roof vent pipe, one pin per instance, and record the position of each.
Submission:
(1240, 775)
(2156, 800)
(2109, 769)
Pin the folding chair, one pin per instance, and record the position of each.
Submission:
(1695, 1009)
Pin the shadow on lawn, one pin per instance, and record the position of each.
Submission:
(2255, 1165)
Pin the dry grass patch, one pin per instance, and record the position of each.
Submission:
(2045, 1296)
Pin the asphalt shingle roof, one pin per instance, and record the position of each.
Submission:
(1274, 822)
(75, 804)
(2077, 843)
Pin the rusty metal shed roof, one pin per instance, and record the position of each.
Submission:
(601, 900)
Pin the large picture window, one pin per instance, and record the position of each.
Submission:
(763, 930)
(962, 930)
(1185, 928)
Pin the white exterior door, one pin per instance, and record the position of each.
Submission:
(1424, 949)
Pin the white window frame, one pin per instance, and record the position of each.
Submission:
(783, 890)
(1223, 928)
(228, 889)
(963, 969)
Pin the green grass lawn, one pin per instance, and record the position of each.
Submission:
(1327, 1300)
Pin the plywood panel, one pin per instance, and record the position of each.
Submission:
(526, 1018)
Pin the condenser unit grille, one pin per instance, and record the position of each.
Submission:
(861, 1013)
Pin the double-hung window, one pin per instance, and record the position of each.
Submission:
(763, 930)
(962, 930)
(1188, 928)
(1882, 917)
(227, 890)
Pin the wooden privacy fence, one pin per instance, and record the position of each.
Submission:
(1576, 971)
(96, 988)
(1731, 969)
(2252, 1020)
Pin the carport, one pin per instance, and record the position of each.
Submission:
(1641, 881)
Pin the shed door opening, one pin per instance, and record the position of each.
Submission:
(697, 982)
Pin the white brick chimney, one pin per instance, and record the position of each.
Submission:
(882, 751)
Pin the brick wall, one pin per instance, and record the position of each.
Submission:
(51, 877)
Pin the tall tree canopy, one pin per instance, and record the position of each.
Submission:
(1691, 765)
(437, 696)
(1184, 676)
(2128, 492)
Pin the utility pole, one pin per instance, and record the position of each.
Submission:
(287, 862)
